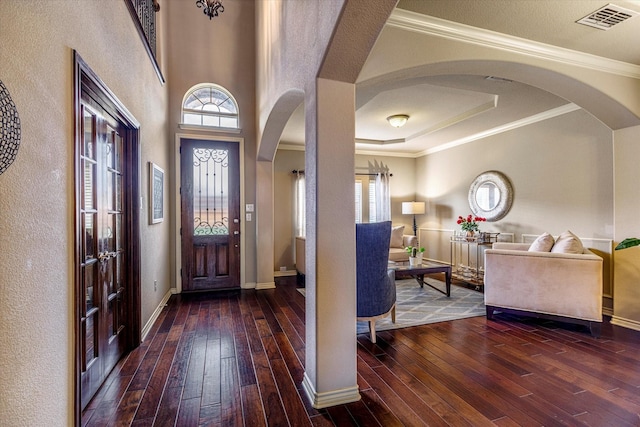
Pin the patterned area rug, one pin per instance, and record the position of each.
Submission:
(419, 306)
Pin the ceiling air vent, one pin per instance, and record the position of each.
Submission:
(608, 16)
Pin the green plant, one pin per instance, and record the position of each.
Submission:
(413, 251)
(628, 243)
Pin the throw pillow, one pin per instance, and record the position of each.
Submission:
(568, 243)
(396, 236)
(543, 243)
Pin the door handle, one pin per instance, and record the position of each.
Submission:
(106, 255)
(235, 233)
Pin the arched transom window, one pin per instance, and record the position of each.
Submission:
(208, 104)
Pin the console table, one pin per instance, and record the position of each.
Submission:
(472, 273)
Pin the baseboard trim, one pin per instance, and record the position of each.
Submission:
(156, 312)
(280, 273)
(625, 323)
(265, 285)
(248, 285)
(329, 398)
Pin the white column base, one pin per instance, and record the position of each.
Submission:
(265, 285)
(329, 398)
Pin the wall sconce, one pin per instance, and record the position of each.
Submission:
(413, 208)
(398, 120)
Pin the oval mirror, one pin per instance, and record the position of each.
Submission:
(490, 195)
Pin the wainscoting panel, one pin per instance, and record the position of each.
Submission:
(436, 244)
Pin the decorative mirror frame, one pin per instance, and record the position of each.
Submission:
(9, 129)
(506, 195)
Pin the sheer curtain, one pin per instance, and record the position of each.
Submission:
(300, 210)
(383, 197)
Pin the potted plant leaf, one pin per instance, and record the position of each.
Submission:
(415, 255)
(628, 243)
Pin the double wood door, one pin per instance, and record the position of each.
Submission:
(210, 214)
(102, 280)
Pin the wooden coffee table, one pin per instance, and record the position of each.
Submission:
(418, 272)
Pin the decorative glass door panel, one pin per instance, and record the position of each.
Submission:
(89, 263)
(210, 200)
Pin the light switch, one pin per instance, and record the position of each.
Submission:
(249, 207)
(248, 216)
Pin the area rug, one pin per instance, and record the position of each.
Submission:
(420, 306)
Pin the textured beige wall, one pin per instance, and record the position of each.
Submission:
(561, 171)
(36, 192)
(284, 193)
(626, 291)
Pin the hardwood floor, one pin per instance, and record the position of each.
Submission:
(237, 359)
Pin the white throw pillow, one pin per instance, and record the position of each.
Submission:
(543, 243)
(396, 236)
(568, 243)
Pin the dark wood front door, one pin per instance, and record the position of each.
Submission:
(210, 214)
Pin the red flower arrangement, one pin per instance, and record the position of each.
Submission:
(470, 223)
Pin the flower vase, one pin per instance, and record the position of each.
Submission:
(470, 235)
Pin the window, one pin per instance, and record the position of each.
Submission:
(210, 105)
(372, 201)
(300, 209)
(358, 201)
(372, 198)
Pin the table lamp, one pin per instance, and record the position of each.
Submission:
(413, 208)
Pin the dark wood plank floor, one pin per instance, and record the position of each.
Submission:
(238, 359)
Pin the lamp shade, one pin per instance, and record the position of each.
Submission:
(413, 208)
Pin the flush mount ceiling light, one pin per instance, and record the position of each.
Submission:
(398, 120)
(211, 8)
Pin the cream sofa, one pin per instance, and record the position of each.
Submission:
(398, 242)
(561, 286)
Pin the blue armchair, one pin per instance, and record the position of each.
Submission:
(376, 285)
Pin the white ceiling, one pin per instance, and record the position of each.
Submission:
(467, 107)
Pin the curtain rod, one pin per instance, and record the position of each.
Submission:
(295, 171)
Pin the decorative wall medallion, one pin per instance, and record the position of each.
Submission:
(9, 129)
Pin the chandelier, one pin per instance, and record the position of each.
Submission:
(211, 8)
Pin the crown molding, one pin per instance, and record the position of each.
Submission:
(424, 24)
(549, 114)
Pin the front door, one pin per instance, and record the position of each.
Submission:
(102, 255)
(210, 214)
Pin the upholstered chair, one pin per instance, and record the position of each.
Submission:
(376, 284)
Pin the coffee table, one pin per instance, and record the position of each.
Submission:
(418, 272)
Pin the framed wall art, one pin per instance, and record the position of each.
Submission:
(156, 193)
